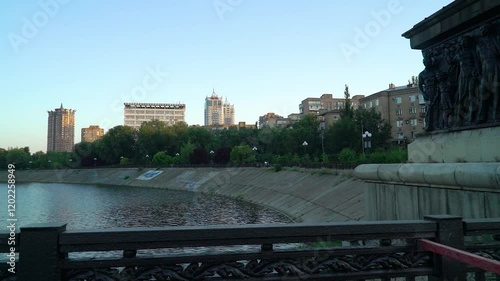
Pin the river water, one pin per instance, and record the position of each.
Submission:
(93, 207)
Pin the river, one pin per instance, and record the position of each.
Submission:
(98, 207)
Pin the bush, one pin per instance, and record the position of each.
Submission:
(277, 168)
(347, 155)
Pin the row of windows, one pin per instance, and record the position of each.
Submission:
(413, 122)
(173, 112)
(411, 110)
(132, 123)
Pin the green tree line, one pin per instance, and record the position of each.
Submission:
(158, 144)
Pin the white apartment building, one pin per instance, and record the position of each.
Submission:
(137, 113)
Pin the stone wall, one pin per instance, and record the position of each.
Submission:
(308, 195)
(410, 191)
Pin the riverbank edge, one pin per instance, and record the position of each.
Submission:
(302, 195)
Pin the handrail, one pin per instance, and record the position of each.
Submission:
(462, 256)
(199, 236)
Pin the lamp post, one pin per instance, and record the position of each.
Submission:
(30, 164)
(254, 149)
(95, 161)
(322, 126)
(147, 160)
(211, 157)
(50, 164)
(367, 141)
(305, 144)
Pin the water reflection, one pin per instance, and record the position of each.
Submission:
(92, 206)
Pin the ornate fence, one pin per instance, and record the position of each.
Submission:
(333, 251)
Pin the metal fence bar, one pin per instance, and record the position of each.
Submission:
(462, 256)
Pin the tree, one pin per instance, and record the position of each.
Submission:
(371, 121)
(186, 151)
(242, 154)
(222, 155)
(19, 157)
(117, 142)
(162, 159)
(199, 156)
(3, 159)
(347, 111)
(154, 136)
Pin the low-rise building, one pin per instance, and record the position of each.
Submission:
(137, 113)
(403, 107)
(92, 133)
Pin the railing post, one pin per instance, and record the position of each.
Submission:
(39, 257)
(450, 232)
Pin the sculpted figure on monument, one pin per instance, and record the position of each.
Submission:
(468, 98)
(445, 99)
(427, 85)
(488, 50)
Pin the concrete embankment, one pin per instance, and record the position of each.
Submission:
(308, 196)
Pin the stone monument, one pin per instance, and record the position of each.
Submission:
(454, 166)
(460, 83)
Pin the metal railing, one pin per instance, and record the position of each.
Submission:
(329, 251)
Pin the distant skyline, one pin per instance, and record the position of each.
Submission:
(263, 56)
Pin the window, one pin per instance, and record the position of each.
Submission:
(397, 99)
(371, 104)
(413, 134)
(399, 111)
(377, 102)
(423, 109)
(413, 98)
(399, 123)
(413, 110)
(400, 136)
(413, 122)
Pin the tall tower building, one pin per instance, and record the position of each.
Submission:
(217, 111)
(61, 130)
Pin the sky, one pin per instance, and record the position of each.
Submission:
(264, 56)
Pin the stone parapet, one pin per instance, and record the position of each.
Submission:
(463, 176)
(474, 145)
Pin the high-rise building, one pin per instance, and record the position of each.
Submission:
(137, 113)
(61, 130)
(92, 133)
(217, 111)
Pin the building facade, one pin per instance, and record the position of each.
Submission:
(61, 130)
(403, 107)
(272, 120)
(325, 102)
(92, 133)
(137, 113)
(218, 111)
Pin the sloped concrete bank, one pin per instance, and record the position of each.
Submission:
(308, 196)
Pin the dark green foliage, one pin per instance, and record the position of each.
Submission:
(222, 155)
(199, 156)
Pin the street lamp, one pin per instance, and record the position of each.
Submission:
(30, 164)
(367, 142)
(322, 126)
(254, 149)
(50, 164)
(305, 144)
(147, 160)
(95, 161)
(211, 157)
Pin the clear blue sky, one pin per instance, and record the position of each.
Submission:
(264, 56)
